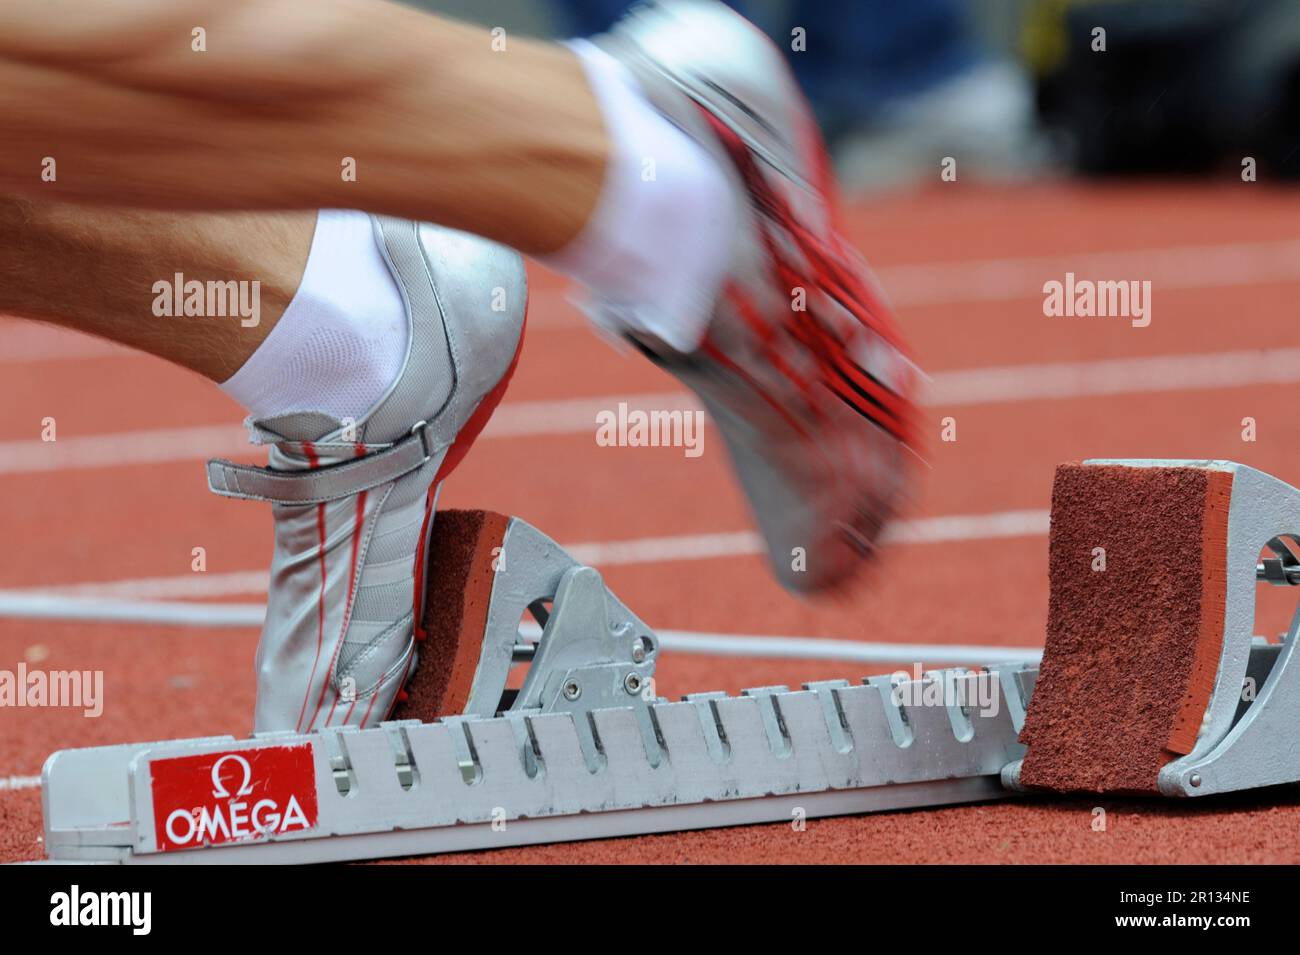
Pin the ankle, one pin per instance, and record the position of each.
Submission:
(656, 248)
(343, 335)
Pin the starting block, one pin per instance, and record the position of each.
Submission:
(1207, 706)
(584, 749)
(1139, 690)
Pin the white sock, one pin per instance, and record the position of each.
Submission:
(655, 250)
(342, 340)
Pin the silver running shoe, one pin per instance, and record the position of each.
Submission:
(353, 502)
(803, 368)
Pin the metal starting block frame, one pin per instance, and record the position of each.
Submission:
(463, 783)
(584, 751)
(1248, 745)
(1242, 744)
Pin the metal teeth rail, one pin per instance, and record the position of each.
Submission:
(465, 782)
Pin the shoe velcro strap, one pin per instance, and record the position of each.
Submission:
(328, 483)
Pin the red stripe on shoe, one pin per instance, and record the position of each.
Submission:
(832, 277)
(313, 461)
(720, 357)
(742, 304)
(851, 289)
(401, 690)
(455, 454)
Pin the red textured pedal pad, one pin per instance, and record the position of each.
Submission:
(458, 590)
(1132, 650)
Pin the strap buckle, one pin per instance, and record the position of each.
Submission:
(422, 431)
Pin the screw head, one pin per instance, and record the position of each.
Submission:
(572, 690)
(638, 650)
(632, 683)
(1195, 779)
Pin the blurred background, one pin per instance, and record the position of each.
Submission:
(1147, 142)
(1016, 88)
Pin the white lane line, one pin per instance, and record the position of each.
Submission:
(246, 616)
(162, 445)
(156, 446)
(524, 419)
(924, 530)
(969, 527)
(602, 554)
(655, 550)
(47, 606)
(910, 284)
(138, 601)
(1172, 267)
(8, 783)
(180, 587)
(994, 384)
(849, 651)
(819, 648)
(1115, 376)
(917, 284)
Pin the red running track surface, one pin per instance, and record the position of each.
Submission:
(1225, 276)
